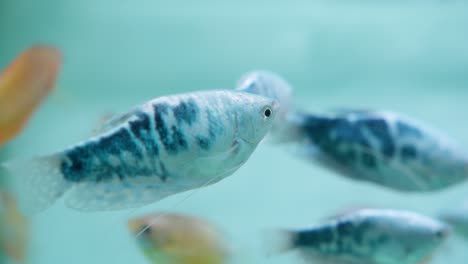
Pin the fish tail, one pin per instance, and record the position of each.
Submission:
(36, 183)
(278, 241)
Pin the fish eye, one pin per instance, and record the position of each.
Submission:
(267, 112)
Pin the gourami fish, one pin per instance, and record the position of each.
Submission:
(368, 236)
(381, 147)
(271, 85)
(178, 239)
(168, 145)
(24, 85)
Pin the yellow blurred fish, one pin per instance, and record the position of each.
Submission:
(23, 86)
(178, 239)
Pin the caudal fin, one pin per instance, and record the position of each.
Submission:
(36, 183)
(277, 241)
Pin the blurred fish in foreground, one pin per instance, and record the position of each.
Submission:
(178, 239)
(368, 236)
(270, 85)
(166, 146)
(13, 229)
(381, 147)
(458, 219)
(23, 86)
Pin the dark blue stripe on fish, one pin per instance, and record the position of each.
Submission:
(120, 141)
(141, 128)
(408, 152)
(369, 160)
(186, 112)
(380, 130)
(82, 167)
(336, 137)
(172, 139)
(77, 165)
(160, 123)
(178, 140)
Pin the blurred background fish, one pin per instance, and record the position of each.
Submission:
(405, 56)
(382, 147)
(14, 229)
(370, 236)
(168, 238)
(24, 84)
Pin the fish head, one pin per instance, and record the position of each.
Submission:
(271, 85)
(267, 84)
(152, 233)
(175, 235)
(254, 117)
(457, 219)
(411, 236)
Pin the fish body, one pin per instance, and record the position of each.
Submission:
(381, 147)
(271, 85)
(24, 85)
(165, 146)
(179, 239)
(369, 236)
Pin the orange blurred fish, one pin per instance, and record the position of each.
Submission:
(23, 86)
(179, 239)
(13, 229)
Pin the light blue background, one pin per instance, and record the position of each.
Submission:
(407, 56)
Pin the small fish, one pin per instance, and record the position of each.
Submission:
(179, 239)
(368, 236)
(457, 219)
(381, 147)
(24, 85)
(13, 229)
(271, 85)
(168, 145)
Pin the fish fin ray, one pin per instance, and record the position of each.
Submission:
(36, 183)
(111, 121)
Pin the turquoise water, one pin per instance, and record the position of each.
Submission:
(407, 56)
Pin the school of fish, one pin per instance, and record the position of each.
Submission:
(181, 142)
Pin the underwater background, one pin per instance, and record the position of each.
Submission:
(406, 56)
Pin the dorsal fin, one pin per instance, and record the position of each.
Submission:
(110, 121)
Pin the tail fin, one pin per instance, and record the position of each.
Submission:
(277, 241)
(36, 183)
